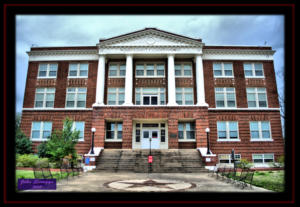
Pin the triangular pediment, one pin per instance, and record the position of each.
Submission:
(151, 37)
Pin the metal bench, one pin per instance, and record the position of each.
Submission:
(38, 173)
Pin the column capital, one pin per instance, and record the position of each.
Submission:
(170, 55)
(129, 55)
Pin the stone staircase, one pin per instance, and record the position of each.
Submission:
(164, 161)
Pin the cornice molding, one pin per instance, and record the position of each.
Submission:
(238, 51)
(61, 52)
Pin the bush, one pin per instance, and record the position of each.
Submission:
(43, 150)
(27, 160)
(23, 144)
(62, 143)
(244, 164)
(42, 162)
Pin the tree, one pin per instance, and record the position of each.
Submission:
(62, 143)
(23, 143)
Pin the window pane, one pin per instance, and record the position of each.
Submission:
(180, 135)
(110, 134)
(84, 66)
(52, 73)
(83, 73)
(268, 156)
(221, 126)
(120, 134)
(146, 134)
(180, 127)
(258, 66)
(254, 134)
(153, 100)
(71, 89)
(257, 156)
(120, 126)
(222, 134)
(42, 73)
(248, 73)
(228, 72)
(254, 126)
(35, 134)
(36, 126)
(233, 126)
(247, 66)
(217, 66)
(49, 103)
(220, 104)
(258, 73)
(150, 70)
(188, 97)
(70, 103)
(265, 134)
(39, 104)
(190, 135)
(219, 96)
(39, 97)
(70, 97)
(262, 97)
(50, 97)
(46, 134)
(217, 73)
(233, 134)
(251, 97)
(81, 104)
(187, 70)
(228, 66)
(81, 97)
(79, 126)
(265, 125)
(146, 100)
(262, 104)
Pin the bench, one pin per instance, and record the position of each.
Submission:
(38, 173)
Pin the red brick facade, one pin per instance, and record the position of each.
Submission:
(202, 116)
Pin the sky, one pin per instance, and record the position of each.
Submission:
(86, 30)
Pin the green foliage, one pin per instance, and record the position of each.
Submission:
(244, 164)
(23, 144)
(27, 160)
(42, 150)
(42, 162)
(62, 143)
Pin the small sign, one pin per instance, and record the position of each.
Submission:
(36, 184)
(150, 159)
(92, 159)
(87, 160)
(207, 159)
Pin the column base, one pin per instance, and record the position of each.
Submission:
(98, 104)
(127, 104)
(172, 104)
(202, 104)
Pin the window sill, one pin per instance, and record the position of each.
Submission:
(224, 77)
(149, 77)
(228, 140)
(112, 140)
(38, 140)
(261, 140)
(71, 77)
(46, 77)
(116, 76)
(183, 76)
(185, 140)
(257, 77)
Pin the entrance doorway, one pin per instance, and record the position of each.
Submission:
(150, 138)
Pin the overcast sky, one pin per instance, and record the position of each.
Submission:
(79, 30)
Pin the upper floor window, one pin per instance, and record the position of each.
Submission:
(76, 98)
(44, 98)
(150, 96)
(227, 130)
(262, 158)
(184, 96)
(78, 70)
(117, 70)
(223, 69)
(115, 96)
(150, 70)
(257, 97)
(47, 70)
(114, 131)
(41, 130)
(183, 70)
(253, 70)
(260, 130)
(225, 97)
(186, 130)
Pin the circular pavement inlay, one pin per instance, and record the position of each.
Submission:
(149, 185)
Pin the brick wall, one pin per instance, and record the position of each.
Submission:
(57, 118)
(240, 83)
(245, 147)
(60, 83)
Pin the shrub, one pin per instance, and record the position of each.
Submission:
(43, 150)
(42, 162)
(62, 143)
(244, 164)
(27, 160)
(23, 144)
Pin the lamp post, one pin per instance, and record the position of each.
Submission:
(93, 134)
(207, 130)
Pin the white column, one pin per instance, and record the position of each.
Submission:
(200, 81)
(100, 82)
(171, 81)
(128, 81)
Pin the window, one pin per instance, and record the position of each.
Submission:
(150, 70)
(223, 69)
(183, 70)
(138, 132)
(117, 70)
(44, 98)
(260, 130)
(113, 131)
(227, 130)
(78, 70)
(41, 130)
(225, 97)
(79, 126)
(257, 98)
(115, 96)
(150, 96)
(186, 131)
(76, 98)
(47, 70)
(226, 158)
(253, 70)
(262, 158)
(184, 96)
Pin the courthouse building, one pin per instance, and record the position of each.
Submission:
(159, 85)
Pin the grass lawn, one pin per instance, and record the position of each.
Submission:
(271, 180)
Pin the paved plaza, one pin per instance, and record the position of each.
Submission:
(153, 182)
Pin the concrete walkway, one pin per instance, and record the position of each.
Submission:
(144, 182)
